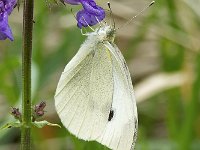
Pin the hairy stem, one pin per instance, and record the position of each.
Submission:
(26, 74)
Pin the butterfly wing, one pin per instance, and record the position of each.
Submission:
(121, 131)
(84, 93)
(95, 82)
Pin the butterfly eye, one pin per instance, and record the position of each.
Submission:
(111, 115)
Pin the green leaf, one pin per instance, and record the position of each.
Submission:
(41, 124)
(15, 124)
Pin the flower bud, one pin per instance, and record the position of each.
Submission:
(15, 112)
(38, 110)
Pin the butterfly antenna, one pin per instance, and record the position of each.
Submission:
(98, 21)
(128, 22)
(111, 14)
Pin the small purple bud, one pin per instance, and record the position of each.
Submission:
(15, 112)
(39, 110)
(40, 113)
(40, 106)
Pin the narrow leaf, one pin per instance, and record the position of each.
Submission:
(41, 124)
(15, 124)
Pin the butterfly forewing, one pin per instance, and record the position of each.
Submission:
(84, 96)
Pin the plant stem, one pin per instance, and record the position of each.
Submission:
(26, 74)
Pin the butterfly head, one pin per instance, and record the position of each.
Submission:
(106, 33)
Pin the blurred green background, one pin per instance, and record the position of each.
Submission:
(161, 47)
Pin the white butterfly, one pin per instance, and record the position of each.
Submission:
(94, 97)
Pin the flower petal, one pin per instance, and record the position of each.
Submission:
(84, 18)
(91, 7)
(5, 31)
(9, 5)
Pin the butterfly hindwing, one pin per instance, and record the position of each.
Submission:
(120, 132)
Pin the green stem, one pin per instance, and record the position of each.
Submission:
(26, 74)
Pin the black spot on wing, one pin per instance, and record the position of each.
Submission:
(111, 114)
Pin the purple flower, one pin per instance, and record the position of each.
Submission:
(91, 14)
(84, 19)
(6, 7)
